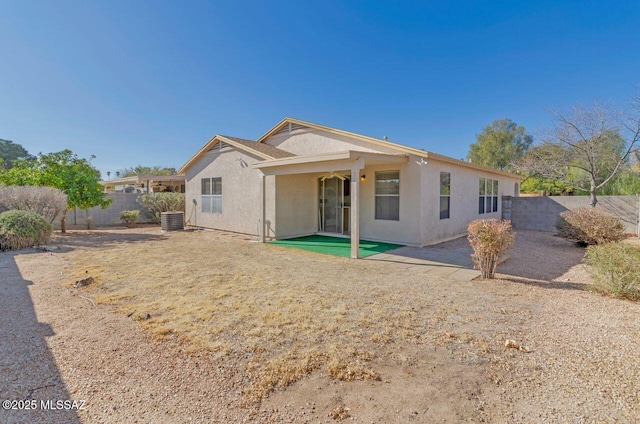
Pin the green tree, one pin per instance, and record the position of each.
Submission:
(625, 183)
(147, 170)
(549, 187)
(10, 152)
(64, 170)
(587, 147)
(500, 144)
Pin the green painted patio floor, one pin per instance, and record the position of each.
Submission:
(335, 246)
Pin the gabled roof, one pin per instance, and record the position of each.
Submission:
(271, 151)
(267, 152)
(297, 123)
(263, 151)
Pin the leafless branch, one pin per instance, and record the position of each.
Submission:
(597, 141)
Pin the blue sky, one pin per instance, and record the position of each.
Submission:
(149, 82)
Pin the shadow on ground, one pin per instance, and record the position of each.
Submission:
(28, 370)
(103, 238)
(560, 255)
(562, 285)
(522, 264)
(450, 261)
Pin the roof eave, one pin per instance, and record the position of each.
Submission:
(196, 157)
(351, 155)
(211, 142)
(378, 142)
(447, 159)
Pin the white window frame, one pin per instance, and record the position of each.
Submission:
(445, 195)
(487, 195)
(381, 195)
(211, 202)
(495, 196)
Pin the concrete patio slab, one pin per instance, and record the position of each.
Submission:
(452, 263)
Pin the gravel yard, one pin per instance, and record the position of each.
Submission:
(208, 327)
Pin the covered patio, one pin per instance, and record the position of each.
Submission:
(443, 260)
(347, 164)
(336, 246)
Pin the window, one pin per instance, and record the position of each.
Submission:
(211, 195)
(482, 192)
(388, 195)
(445, 194)
(488, 196)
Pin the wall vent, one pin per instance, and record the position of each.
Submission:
(294, 127)
(219, 146)
(287, 129)
(284, 130)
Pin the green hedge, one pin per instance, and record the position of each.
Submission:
(156, 203)
(20, 229)
(616, 269)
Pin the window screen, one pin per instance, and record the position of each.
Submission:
(388, 195)
(445, 195)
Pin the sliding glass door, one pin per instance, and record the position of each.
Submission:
(334, 201)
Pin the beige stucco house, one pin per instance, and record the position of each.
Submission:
(301, 178)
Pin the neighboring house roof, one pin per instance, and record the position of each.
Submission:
(299, 124)
(150, 181)
(263, 151)
(139, 179)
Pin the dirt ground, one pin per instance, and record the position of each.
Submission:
(206, 327)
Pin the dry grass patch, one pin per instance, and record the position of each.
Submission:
(282, 313)
(257, 318)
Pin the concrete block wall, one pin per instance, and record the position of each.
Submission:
(109, 216)
(541, 213)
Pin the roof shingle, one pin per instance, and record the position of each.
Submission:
(274, 152)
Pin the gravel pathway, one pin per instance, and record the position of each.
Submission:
(27, 367)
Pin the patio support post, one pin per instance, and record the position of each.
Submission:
(355, 207)
(263, 208)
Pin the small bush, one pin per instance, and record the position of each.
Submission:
(46, 201)
(20, 229)
(156, 203)
(129, 217)
(588, 226)
(616, 269)
(490, 239)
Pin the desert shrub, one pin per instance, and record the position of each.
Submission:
(156, 203)
(490, 239)
(46, 201)
(20, 229)
(129, 217)
(616, 269)
(589, 226)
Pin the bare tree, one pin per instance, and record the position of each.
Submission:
(46, 201)
(586, 147)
